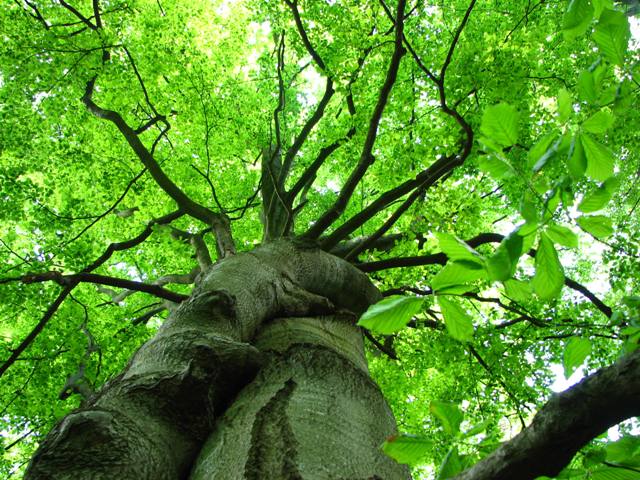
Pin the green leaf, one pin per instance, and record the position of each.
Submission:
(502, 264)
(451, 465)
(577, 18)
(562, 236)
(599, 158)
(565, 105)
(625, 451)
(576, 161)
(497, 168)
(549, 276)
(476, 429)
(457, 273)
(587, 87)
(458, 322)
(600, 5)
(500, 124)
(518, 290)
(612, 36)
(576, 350)
(597, 225)
(456, 249)
(613, 473)
(390, 314)
(407, 449)
(449, 415)
(599, 122)
(543, 148)
(599, 198)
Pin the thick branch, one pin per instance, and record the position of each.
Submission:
(186, 204)
(366, 157)
(566, 423)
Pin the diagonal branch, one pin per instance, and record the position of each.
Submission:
(427, 177)
(53, 308)
(366, 157)
(566, 423)
(111, 249)
(219, 222)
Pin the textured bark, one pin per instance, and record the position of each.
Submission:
(565, 424)
(150, 422)
(311, 413)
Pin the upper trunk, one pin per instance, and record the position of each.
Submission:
(151, 421)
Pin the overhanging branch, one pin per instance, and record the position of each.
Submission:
(566, 423)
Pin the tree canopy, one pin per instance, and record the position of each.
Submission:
(478, 159)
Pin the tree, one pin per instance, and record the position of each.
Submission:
(209, 206)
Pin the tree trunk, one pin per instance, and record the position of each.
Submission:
(284, 314)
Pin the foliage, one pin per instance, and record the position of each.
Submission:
(516, 244)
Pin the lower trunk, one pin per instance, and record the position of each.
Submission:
(311, 413)
(282, 311)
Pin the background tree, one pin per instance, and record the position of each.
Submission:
(225, 187)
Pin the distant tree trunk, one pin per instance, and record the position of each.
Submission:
(276, 325)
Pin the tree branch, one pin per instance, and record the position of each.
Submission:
(567, 422)
(366, 157)
(441, 259)
(84, 277)
(69, 288)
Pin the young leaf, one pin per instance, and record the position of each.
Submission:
(612, 36)
(518, 290)
(496, 167)
(599, 122)
(600, 5)
(562, 236)
(500, 124)
(451, 465)
(457, 273)
(407, 449)
(575, 352)
(449, 415)
(502, 264)
(390, 314)
(577, 18)
(587, 87)
(549, 276)
(597, 225)
(458, 322)
(565, 105)
(599, 198)
(599, 158)
(576, 161)
(456, 249)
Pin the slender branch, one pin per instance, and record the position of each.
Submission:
(306, 129)
(293, 5)
(38, 328)
(84, 277)
(110, 209)
(500, 381)
(429, 176)
(69, 288)
(186, 204)
(366, 157)
(81, 17)
(441, 259)
(565, 424)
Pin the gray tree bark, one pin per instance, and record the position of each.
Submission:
(277, 325)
